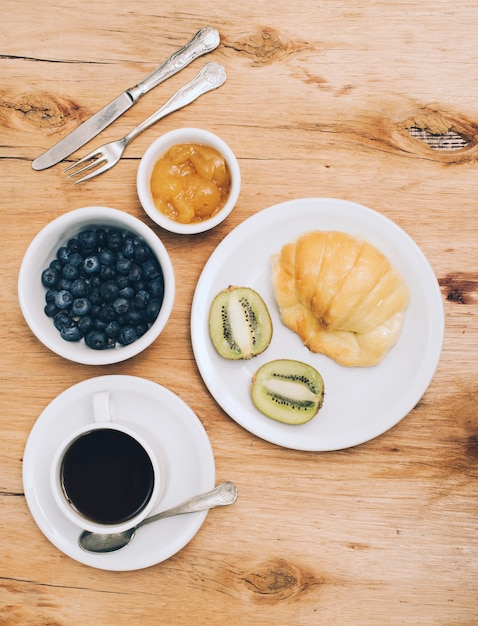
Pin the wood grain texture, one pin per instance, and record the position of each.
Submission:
(319, 101)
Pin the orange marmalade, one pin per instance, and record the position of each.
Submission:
(190, 183)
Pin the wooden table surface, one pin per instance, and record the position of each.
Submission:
(323, 99)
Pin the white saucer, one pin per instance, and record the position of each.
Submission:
(360, 403)
(175, 430)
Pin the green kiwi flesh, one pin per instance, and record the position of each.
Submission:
(240, 325)
(288, 391)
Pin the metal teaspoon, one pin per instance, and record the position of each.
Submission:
(224, 494)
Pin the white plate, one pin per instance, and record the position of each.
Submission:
(360, 403)
(175, 430)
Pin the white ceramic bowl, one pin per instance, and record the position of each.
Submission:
(42, 251)
(160, 147)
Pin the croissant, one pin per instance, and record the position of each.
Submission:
(340, 295)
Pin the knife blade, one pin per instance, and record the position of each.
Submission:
(204, 41)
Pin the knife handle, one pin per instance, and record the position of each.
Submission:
(204, 41)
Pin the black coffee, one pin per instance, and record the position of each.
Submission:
(107, 476)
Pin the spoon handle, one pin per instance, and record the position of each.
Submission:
(225, 493)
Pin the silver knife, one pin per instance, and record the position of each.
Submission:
(204, 41)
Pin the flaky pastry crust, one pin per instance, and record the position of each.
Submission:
(341, 295)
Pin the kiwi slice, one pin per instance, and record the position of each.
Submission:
(239, 323)
(288, 391)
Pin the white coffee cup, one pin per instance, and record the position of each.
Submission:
(105, 477)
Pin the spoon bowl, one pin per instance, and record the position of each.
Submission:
(225, 493)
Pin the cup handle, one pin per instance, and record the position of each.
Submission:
(102, 407)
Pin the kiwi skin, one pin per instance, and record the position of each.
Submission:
(288, 391)
(240, 324)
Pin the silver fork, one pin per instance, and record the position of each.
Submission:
(105, 157)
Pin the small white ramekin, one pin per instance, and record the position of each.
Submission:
(160, 147)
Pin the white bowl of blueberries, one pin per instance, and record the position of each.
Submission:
(96, 286)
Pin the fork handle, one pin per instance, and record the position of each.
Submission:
(210, 77)
(205, 40)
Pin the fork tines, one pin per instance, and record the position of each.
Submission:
(93, 160)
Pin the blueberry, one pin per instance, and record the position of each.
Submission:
(75, 259)
(109, 290)
(51, 309)
(79, 288)
(123, 266)
(63, 283)
(80, 306)
(107, 272)
(112, 329)
(73, 244)
(63, 253)
(96, 339)
(71, 333)
(50, 295)
(122, 281)
(50, 277)
(127, 292)
(95, 297)
(120, 305)
(141, 252)
(91, 264)
(106, 313)
(63, 299)
(99, 324)
(106, 257)
(134, 317)
(94, 281)
(152, 309)
(56, 264)
(156, 288)
(114, 239)
(141, 299)
(140, 285)
(135, 273)
(62, 320)
(141, 328)
(70, 272)
(101, 235)
(88, 239)
(127, 335)
(85, 324)
(151, 269)
(128, 248)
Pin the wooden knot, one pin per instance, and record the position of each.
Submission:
(439, 135)
(472, 446)
(277, 579)
(41, 110)
(460, 287)
(263, 47)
